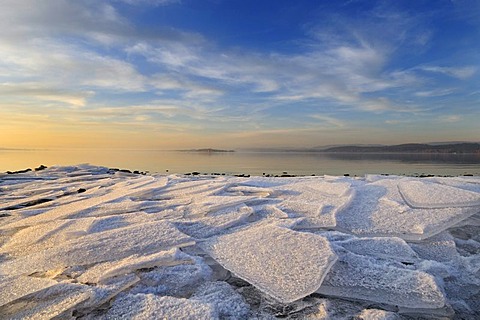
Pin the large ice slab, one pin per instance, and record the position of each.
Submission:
(226, 301)
(149, 306)
(106, 270)
(56, 301)
(179, 281)
(285, 264)
(316, 200)
(119, 190)
(419, 194)
(211, 225)
(378, 209)
(17, 287)
(98, 247)
(382, 247)
(358, 277)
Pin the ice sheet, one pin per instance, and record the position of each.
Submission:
(226, 301)
(17, 287)
(119, 190)
(441, 247)
(103, 271)
(178, 281)
(58, 300)
(149, 306)
(317, 200)
(359, 277)
(269, 258)
(209, 226)
(419, 194)
(103, 293)
(387, 248)
(98, 247)
(378, 209)
(119, 237)
(376, 314)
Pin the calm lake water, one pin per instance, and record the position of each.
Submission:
(253, 163)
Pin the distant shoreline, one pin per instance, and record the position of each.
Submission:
(208, 150)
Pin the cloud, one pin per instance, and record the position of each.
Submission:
(456, 72)
(449, 118)
(435, 93)
(149, 2)
(39, 91)
(331, 121)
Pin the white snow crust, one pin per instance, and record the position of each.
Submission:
(87, 242)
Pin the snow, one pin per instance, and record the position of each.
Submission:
(83, 241)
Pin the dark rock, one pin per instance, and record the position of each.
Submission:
(136, 172)
(19, 171)
(346, 175)
(195, 173)
(125, 170)
(4, 215)
(81, 190)
(41, 167)
(242, 175)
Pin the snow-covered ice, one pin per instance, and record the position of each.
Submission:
(92, 243)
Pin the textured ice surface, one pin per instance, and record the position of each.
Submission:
(268, 257)
(358, 277)
(382, 247)
(117, 191)
(378, 209)
(98, 247)
(58, 300)
(439, 248)
(209, 226)
(419, 194)
(317, 200)
(179, 281)
(88, 238)
(227, 303)
(15, 288)
(375, 314)
(149, 306)
(103, 293)
(103, 271)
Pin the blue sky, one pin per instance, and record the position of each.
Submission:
(232, 74)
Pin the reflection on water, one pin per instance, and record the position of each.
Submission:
(409, 157)
(254, 163)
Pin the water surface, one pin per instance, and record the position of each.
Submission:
(254, 163)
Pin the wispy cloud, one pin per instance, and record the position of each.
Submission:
(435, 93)
(449, 118)
(456, 72)
(329, 120)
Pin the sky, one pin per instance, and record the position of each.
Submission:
(173, 74)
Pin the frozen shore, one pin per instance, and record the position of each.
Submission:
(88, 242)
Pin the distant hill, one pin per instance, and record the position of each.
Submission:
(208, 150)
(411, 148)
